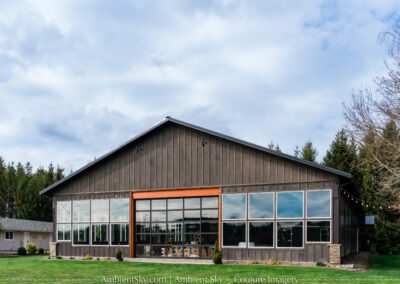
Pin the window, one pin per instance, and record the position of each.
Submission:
(81, 234)
(318, 231)
(99, 210)
(99, 234)
(261, 205)
(63, 232)
(318, 204)
(369, 220)
(63, 211)
(261, 234)
(81, 210)
(119, 234)
(176, 227)
(234, 206)
(9, 235)
(290, 234)
(234, 234)
(119, 210)
(290, 204)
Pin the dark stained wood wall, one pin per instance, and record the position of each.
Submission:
(174, 157)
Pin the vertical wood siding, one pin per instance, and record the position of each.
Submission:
(174, 157)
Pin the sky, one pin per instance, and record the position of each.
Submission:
(79, 78)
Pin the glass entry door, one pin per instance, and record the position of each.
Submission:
(176, 227)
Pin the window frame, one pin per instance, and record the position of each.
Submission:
(273, 206)
(90, 211)
(9, 232)
(330, 204)
(261, 221)
(316, 242)
(110, 209)
(110, 234)
(245, 234)
(70, 211)
(89, 235)
(70, 233)
(245, 207)
(290, 218)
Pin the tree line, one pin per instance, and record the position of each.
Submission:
(19, 190)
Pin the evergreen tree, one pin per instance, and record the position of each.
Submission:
(308, 152)
(342, 154)
(274, 147)
(3, 188)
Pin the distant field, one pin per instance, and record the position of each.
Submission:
(38, 269)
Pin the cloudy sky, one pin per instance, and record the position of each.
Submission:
(78, 78)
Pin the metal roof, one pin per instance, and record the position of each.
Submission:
(207, 131)
(9, 224)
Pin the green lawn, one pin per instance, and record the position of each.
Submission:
(38, 269)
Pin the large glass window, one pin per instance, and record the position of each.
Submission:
(261, 234)
(100, 210)
(234, 206)
(318, 204)
(63, 232)
(63, 211)
(176, 227)
(119, 210)
(318, 231)
(261, 205)
(81, 210)
(99, 234)
(81, 234)
(234, 234)
(290, 204)
(290, 234)
(119, 234)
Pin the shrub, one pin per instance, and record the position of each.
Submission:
(59, 257)
(118, 255)
(31, 248)
(320, 263)
(21, 251)
(272, 262)
(87, 257)
(106, 258)
(71, 257)
(217, 255)
(97, 258)
(253, 261)
(41, 251)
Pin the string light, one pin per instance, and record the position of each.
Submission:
(363, 204)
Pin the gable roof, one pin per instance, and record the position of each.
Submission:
(207, 131)
(9, 224)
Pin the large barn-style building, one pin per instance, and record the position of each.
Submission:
(177, 189)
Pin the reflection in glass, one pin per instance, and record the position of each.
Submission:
(209, 214)
(142, 205)
(192, 203)
(290, 204)
(290, 234)
(158, 204)
(81, 234)
(318, 231)
(158, 216)
(261, 234)
(63, 211)
(175, 203)
(175, 216)
(99, 234)
(192, 214)
(81, 210)
(209, 202)
(318, 203)
(64, 232)
(119, 234)
(261, 205)
(119, 210)
(142, 216)
(234, 206)
(100, 210)
(234, 234)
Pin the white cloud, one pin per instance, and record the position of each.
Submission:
(78, 78)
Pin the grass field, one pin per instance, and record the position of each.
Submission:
(38, 269)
